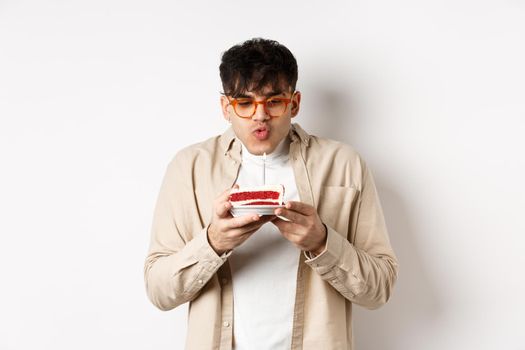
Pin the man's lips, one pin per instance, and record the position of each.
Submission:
(261, 133)
(260, 128)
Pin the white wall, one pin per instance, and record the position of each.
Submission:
(97, 96)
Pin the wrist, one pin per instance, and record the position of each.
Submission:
(210, 234)
(322, 246)
(319, 250)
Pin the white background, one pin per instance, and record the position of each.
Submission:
(97, 96)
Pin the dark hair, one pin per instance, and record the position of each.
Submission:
(256, 63)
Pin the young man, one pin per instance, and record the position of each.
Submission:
(283, 281)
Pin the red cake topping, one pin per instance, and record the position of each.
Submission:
(243, 196)
(257, 195)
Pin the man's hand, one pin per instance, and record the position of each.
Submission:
(226, 232)
(305, 228)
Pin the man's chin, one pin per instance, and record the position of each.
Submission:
(260, 148)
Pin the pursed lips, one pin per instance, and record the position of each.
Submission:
(261, 128)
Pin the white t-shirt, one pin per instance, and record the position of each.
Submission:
(264, 267)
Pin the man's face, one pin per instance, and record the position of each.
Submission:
(261, 133)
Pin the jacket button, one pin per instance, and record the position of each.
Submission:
(224, 280)
(226, 324)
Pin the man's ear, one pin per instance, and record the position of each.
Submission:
(224, 107)
(296, 103)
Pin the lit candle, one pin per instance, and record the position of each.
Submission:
(264, 168)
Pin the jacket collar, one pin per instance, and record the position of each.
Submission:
(228, 139)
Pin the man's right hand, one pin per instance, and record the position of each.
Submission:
(227, 232)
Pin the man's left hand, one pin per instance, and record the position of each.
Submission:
(305, 229)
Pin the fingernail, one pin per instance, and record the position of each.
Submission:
(255, 218)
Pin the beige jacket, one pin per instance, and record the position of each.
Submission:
(358, 266)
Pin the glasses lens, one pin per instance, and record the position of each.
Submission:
(275, 107)
(244, 108)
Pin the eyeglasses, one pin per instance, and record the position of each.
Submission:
(273, 106)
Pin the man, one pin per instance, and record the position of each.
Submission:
(283, 281)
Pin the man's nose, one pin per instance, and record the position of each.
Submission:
(260, 112)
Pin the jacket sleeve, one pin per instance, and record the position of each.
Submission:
(180, 260)
(362, 268)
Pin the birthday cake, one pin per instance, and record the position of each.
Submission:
(267, 195)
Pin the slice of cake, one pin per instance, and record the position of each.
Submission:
(260, 195)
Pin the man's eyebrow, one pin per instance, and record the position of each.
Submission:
(269, 94)
(243, 96)
(273, 93)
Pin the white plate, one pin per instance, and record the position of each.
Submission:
(254, 209)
